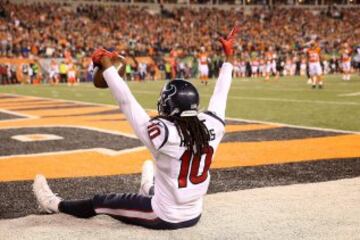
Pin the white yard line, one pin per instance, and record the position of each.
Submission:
(104, 151)
(63, 100)
(18, 114)
(294, 126)
(76, 126)
(281, 89)
(266, 99)
(349, 94)
(294, 100)
(208, 95)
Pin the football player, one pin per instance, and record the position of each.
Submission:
(255, 67)
(303, 66)
(315, 69)
(203, 66)
(345, 52)
(182, 142)
(271, 59)
(54, 72)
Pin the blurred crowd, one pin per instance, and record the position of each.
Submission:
(172, 37)
(8, 74)
(52, 71)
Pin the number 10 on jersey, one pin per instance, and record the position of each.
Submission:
(190, 166)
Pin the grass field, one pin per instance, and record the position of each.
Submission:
(287, 100)
(268, 181)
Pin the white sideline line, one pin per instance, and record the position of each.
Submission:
(266, 87)
(230, 118)
(18, 114)
(104, 151)
(208, 95)
(64, 100)
(22, 115)
(282, 89)
(294, 126)
(273, 99)
(76, 126)
(350, 94)
(296, 100)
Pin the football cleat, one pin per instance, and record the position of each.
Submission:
(47, 200)
(147, 178)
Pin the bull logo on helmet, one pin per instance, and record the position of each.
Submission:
(168, 93)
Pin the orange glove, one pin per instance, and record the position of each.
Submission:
(227, 42)
(100, 53)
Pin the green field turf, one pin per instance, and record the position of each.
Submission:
(287, 100)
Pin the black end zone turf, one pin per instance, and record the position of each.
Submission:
(54, 107)
(7, 116)
(73, 139)
(276, 134)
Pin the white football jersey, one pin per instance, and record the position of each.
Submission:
(181, 177)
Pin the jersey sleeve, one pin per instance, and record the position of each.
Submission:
(218, 100)
(158, 133)
(132, 110)
(165, 138)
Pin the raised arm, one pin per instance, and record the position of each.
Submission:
(133, 111)
(218, 100)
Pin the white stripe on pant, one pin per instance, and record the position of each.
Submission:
(127, 213)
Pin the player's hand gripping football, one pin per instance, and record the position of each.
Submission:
(228, 41)
(104, 59)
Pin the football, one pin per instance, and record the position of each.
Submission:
(98, 79)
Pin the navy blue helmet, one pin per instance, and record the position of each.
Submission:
(178, 98)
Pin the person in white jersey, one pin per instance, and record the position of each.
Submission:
(182, 142)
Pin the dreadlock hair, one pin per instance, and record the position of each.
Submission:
(192, 131)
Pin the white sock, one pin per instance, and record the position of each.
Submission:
(146, 187)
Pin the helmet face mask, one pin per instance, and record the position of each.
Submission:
(178, 98)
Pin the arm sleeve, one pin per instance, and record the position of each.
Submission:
(134, 113)
(218, 100)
